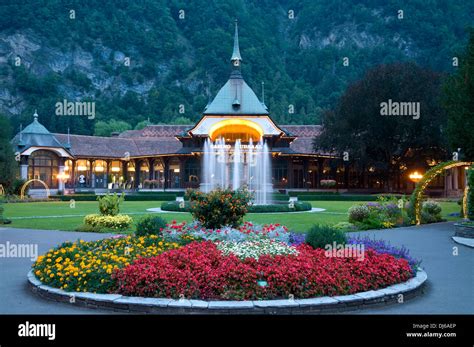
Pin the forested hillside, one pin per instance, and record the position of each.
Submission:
(179, 53)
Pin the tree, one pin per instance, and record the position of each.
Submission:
(458, 100)
(102, 128)
(8, 165)
(387, 142)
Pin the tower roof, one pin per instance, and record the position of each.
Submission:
(236, 97)
(35, 135)
(236, 51)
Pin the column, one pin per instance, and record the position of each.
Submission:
(92, 173)
(24, 167)
(166, 169)
(61, 175)
(124, 173)
(455, 179)
(137, 173)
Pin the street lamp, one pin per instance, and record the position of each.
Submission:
(415, 177)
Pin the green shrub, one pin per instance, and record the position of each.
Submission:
(15, 187)
(150, 225)
(220, 207)
(175, 206)
(321, 235)
(470, 193)
(109, 204)
(430, 212)
(117, 222)
(345, 226)
(358, 213)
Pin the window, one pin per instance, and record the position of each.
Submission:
(280, 172)
(192, 171)
(44, 166)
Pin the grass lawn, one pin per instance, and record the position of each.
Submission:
(61, 216)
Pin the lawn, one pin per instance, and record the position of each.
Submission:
(62, 216)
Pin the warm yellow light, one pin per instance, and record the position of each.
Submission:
(115, 169)
(99, 168)
(176, 170)
(236, 126)
(415, 176)
(62, 176)
(82, 168)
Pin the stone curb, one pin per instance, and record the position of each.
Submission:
(326, 304)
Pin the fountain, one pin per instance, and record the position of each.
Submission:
(241, 165)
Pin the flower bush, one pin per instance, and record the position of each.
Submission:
(327, 183)
(247, 231)
(255, 249)
(87, 266)
(200, 270)
(220, 207)
(358, 213)
(117, 222)
(382, 214)
(430, 212)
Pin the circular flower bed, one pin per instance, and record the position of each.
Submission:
(201, 271)
(250, 262)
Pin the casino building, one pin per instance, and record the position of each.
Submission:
(169, 157)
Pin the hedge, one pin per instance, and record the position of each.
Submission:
(470, 193)
(131, 197)
(299, 206)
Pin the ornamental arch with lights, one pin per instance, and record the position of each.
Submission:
(171, 157)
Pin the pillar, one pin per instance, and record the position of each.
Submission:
(92, 173)
(61, 174)
(24, 167)
(166, 169)
(455, 179)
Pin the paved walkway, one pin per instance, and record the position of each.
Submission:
(450, 288)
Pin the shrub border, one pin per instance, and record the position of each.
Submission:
(126, 304)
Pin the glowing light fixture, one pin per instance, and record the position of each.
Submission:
(415, 176)
(236, 126)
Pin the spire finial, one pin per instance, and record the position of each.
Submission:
(263, 92)
(35, 115)
(236, 58)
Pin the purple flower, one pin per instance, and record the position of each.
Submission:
(296, 239)
(385, 247)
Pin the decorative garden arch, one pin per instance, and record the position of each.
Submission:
(417, 195)
(23, 187)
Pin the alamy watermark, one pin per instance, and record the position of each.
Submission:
(75, 108)
(20, 250)
(339, 250)
(399, 108)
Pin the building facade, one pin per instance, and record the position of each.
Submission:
(169, 157)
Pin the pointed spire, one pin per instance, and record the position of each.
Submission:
(35, 115)
(236, 58)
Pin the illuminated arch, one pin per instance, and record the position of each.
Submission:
(417, 195)
(233, 129)
(2, 190)
(23, 187)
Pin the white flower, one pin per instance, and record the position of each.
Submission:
(255, 249)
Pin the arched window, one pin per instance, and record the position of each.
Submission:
(43, 165)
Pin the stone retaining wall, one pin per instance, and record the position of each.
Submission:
(119, 303)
